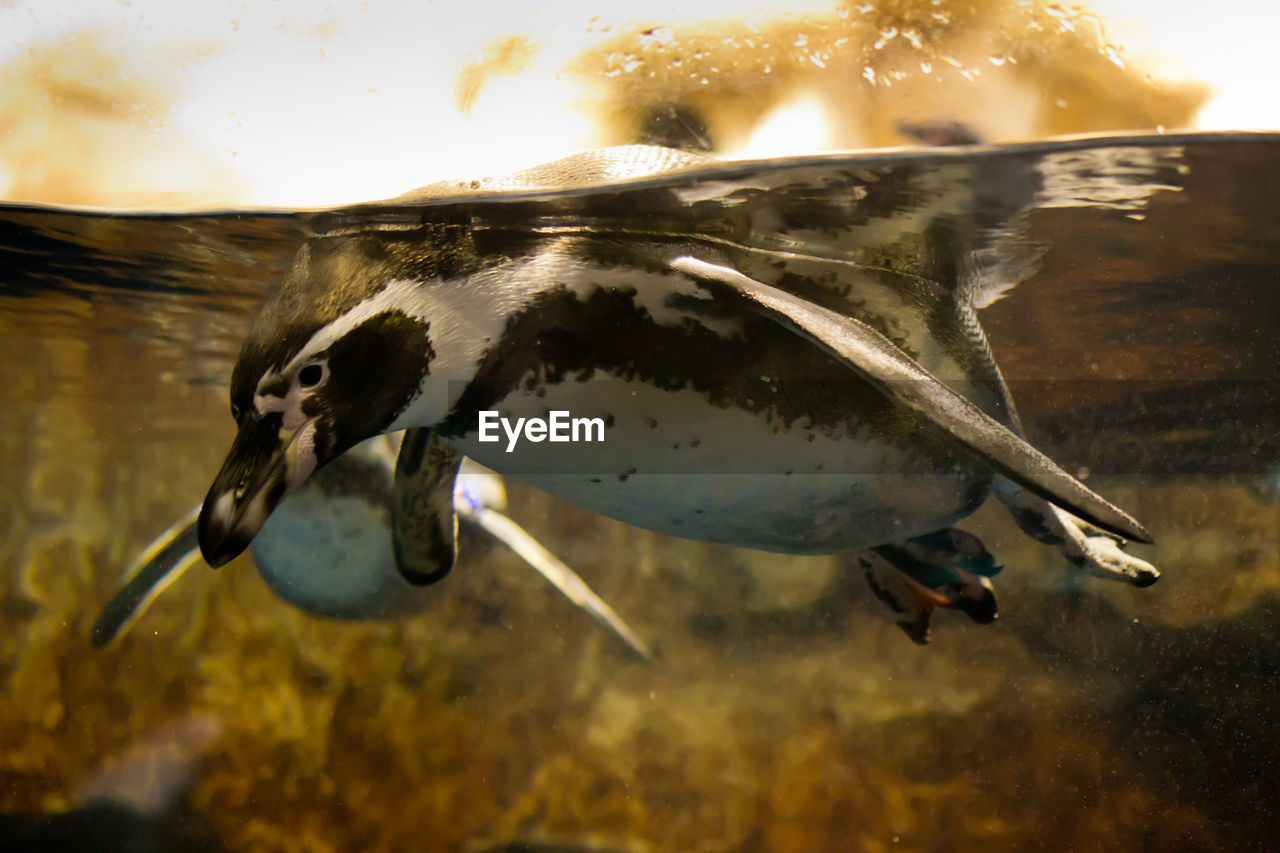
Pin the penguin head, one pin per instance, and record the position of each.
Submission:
(339, 351)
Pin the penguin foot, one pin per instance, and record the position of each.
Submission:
(1089, 548)
(948, 568)
(1100, 555)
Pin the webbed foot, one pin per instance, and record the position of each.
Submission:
(948, 568)
(1101, 554)
(1089, 548)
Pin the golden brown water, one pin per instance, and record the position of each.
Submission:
(786, 713)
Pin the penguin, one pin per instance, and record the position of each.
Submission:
(327, 550)
(785, 356)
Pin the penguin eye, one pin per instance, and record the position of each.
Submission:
(311, 375)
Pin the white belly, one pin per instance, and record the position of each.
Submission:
(671, 461)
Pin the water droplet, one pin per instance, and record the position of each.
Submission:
(886, 36)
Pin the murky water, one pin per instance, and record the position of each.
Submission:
(786, 713)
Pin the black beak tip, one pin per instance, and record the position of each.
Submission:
(218, 544)
(215, 558)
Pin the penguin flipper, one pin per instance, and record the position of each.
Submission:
(563, 578)
(159, 565)
(424, 525)
(898, 376)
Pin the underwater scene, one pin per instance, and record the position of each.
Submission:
(927, 494)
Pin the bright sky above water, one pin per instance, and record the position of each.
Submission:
(302, 103)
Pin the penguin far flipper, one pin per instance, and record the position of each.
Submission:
(424, 524)
(898, 376)
(488, 516)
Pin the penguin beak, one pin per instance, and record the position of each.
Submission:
(253, 480)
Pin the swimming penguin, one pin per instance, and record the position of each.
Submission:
(784, 356)
(327, 549)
